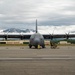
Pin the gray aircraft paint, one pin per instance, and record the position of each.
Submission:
(36, 39)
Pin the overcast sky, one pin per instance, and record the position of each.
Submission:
(23, 13)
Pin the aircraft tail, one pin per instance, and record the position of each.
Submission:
(36, 26)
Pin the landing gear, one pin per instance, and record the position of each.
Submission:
(36, 46)
(30, 46)
(39, 46)
(43, 46)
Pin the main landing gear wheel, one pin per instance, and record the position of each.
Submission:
(36, 46)
(30, 46)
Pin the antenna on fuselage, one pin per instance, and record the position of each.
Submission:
(36, 26)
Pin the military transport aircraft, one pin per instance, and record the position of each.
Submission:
(36, 39)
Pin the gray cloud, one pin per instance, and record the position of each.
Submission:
(21, 13)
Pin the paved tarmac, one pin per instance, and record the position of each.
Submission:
(20, 60)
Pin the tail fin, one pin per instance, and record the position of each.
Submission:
(36, 26)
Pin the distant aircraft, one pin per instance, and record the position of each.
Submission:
(36, 39)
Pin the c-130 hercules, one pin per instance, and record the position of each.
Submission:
(36, 39)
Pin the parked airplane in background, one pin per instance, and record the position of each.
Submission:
(36, 39)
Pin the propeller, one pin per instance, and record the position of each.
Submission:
(21, 36)
(67, 36)
(51, 35)
(6, 35)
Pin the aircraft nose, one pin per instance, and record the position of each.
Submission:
(37, 40)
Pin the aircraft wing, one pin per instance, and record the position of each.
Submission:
(46, 36)
(59, 36)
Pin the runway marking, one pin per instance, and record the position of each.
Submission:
(57, 56)
(34, 58)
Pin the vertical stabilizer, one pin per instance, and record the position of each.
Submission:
(36, 26)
